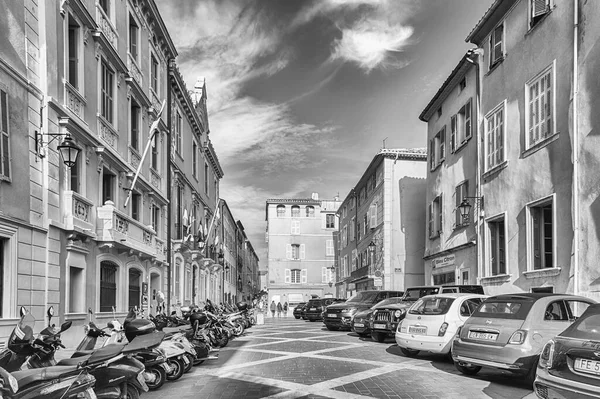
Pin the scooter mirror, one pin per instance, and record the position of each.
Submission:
(22, 311)
(110, 325)
(50, 311)
(66, 325)
(90, 311)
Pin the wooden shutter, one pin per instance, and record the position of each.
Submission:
(442, 138)
(302, 251)
(496, 45)
(4, 146)
(323, 274)
(329, 248)
(431, 154)
(458, 196)
(303, 276)
(468, 124)
(453, 133)
(288, 251)
(288, 276)
(431, 220)
(373, 216)
(538, 7)
(440, 214)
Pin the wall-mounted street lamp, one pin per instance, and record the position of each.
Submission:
(465, 207)
(68, 150)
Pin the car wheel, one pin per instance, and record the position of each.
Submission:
(332, 328)
(363, 334)
(409, 352)
(297, 317)
(377, 336)
(312, 320)
(467, 370)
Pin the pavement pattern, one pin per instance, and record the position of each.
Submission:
(289, 358)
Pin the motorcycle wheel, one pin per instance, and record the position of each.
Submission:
(132, 392)
(222, 341)
(160, 376)
(238, 330)
(191, 358)
(178, 369)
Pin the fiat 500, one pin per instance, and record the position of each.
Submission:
(431, 323)
(509, 331)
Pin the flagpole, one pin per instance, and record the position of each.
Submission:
(153, 130)
(211, 224)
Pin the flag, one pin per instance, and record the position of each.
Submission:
(185, 218)
(216, 239)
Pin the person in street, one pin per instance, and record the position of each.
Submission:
(279, 309)
(273, 308)
(285, 308)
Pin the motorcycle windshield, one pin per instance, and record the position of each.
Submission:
(22, 334)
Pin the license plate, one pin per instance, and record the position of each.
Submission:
(483, 336)
(331, 315)
(587, 366)
(91, 394)
(313, 308)
(186, 360)
(359, 325)
(382, 326)
(417, 330)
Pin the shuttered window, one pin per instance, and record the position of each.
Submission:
(4, 136)
(295, 227)
(539, 8)
(373, 216)
(324, 275)
(108, 286)
(540, 107)
(304, 276)
(494, 138)
(496, 45)
(329, 248)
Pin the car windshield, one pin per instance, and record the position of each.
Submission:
(314, 303)
(388, 301)
(363, 296)
(504, 309)
(412, 294)
(431, 306)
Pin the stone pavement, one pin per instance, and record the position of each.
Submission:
(289, 358)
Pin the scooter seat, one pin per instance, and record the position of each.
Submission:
(105, 353)
(26, 377)
(74, 361)
(83, 353)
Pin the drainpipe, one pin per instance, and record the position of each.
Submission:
(475, 60)
(169, 190)
(575, 199)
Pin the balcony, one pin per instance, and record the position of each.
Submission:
(123, 232)
(134, 69)
(107, 133)
(106, 27)
(134, 158)
(78, 212)
(74, 101)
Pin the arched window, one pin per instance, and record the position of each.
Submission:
(280, 211)
(295, 211)
(135, 278)
(310, 211)
(108, 286)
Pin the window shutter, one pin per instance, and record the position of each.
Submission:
(431, 154)
(302, 251)
(304, 276)
(329, 248)
(430, 220)
(323, 274)
(538, 7)
(468, 113)
(497, 35)
(453, 133)
(456, 211)
(4, 150)
(440, 214)
(443, 144)
(288, 276)
(373, 216)
(288, 251)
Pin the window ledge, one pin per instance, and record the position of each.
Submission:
(496, 64)
(75, 316)
(548, 272)
(539, 22)
(497, 279)
(539, 145)
(462, 145)
(495, 169)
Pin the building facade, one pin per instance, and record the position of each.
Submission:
(526, 169)
(451, 239)
(300, 248)
(380, 235)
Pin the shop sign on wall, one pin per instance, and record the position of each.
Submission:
(442, 261)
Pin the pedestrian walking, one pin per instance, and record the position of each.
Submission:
(279, 309)
(273, 308)
(285, 308)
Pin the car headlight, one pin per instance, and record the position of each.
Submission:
(398, 313)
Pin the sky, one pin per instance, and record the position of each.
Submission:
(302, 94)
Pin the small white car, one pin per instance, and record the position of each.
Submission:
(431, 322)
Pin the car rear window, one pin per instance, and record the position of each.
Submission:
(504, 309)
(588, 328)
(431, 306)
(364, 296)
(412, 294)
(313, 303)
(389, 301)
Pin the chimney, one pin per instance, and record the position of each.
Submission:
(198, 89)
(315, 196)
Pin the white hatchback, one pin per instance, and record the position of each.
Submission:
(431, 322)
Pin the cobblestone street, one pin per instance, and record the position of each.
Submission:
(289, 358)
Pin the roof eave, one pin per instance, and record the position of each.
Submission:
(492, 16)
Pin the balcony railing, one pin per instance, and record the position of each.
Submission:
(134, 158)
(77, 212)
(74, 101)
(134, 69)
(106, 27)
(113, 225)
(107, 132)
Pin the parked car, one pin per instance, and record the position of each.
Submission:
(315, 307)
(414, 293)
(298, 310)
(508, 332)
(431, 323)
(340, 315)
(569, 365)
(361, 322)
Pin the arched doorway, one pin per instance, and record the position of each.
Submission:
(135, 287)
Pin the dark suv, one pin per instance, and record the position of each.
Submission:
(298, 310)
(314, 307)
(340, 315)
(384, 320)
